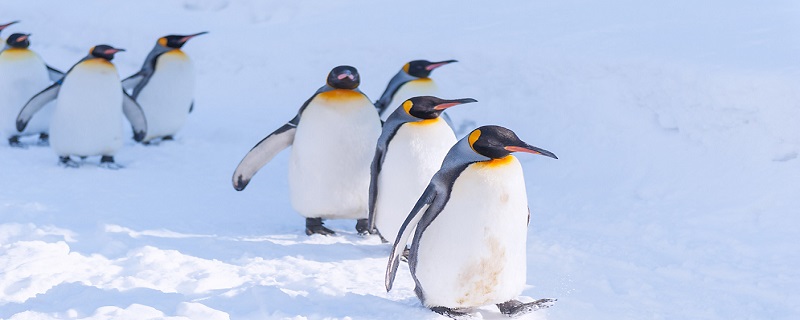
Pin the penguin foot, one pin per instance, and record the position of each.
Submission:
(406, 253)
(66, 162)
(167, 138)
(452, 313)
(14, 142)
(516, 308)
(362, 226)
(108, 163)
(314, 226)
(44, 140)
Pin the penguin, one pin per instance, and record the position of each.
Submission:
(22, 74)
(410, 150)
(471, 222)
(164, 87)
(333, 137)
(54, 73)
(87, 119)
(411, 81)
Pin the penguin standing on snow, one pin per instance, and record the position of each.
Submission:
(411, 81)
(22, 74)
(471, 223)
(87, 120)
(164, 87)
(333, 141)
(410, 150)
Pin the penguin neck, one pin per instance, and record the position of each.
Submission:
(426, 122)
(494, 163)
(340, 94)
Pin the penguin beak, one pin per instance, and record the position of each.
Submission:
(23, 38)
(438, 64)
(452, 103)
(347, 74)
(3, 26)
(186, 38)
(112, 51)
(531, 149)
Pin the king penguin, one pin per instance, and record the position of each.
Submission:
(22, 74)
(411, 81)
(471, 225)
(164, 87)
(410, 150)
(333, 139)
(87, 119)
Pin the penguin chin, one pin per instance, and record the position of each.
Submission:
(345, 83)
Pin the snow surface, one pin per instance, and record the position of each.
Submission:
(676, 195)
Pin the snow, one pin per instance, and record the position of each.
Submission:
(675, 195)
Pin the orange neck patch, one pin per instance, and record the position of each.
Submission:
(340, 95)
(494, 163)
(425, 122)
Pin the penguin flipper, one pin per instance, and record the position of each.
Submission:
(135, 116)
(400, 241)
(262, 153)
(374, 171)
(191, 107)
(35, 104)
(54, 73)
(130, 82)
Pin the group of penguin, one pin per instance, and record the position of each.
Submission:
(464, 201)
(90, 99)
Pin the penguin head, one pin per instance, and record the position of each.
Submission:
(496, 142)
(18, 40)
(344, 77)
(176, 41)
(104, 51)
(3, 26)
(423, 68)
(428, 107)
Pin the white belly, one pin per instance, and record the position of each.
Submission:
(88, 116)
(414, 88)
(22, 75)
(473, 254)
(331, 155)
(413, 156)
(166, 98)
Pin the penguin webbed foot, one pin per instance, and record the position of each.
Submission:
(362, 227)
(452, 313)
(14, 142)
(44, 140)
(405, 254)
(108, 163)
(67, 162)
(516, 308)
(315, 226)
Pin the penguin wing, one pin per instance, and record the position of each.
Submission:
(191, 107)
(390, 128)
(35, 104)
(130, 82)
(411, 221)
(135, 116)
(262, 153)
(54, 73)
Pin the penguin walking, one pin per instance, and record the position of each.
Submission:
(410, 150)
(164, 87)
(87, 119)
(471, 222)
(411, 81)
(333, 138)
(22, 74)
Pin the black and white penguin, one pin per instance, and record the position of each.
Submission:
(164, 87)
(410, 150)
(471, 223)
(333, 141)
(87, 120)
(412, 80)
(22, 74)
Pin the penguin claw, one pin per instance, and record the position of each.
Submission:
(362, 226)
(66, 162)
(14, 142)
(515, 308)
(452, 313)
(314, 226)
(44, 140)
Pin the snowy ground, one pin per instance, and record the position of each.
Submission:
(676, 195)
